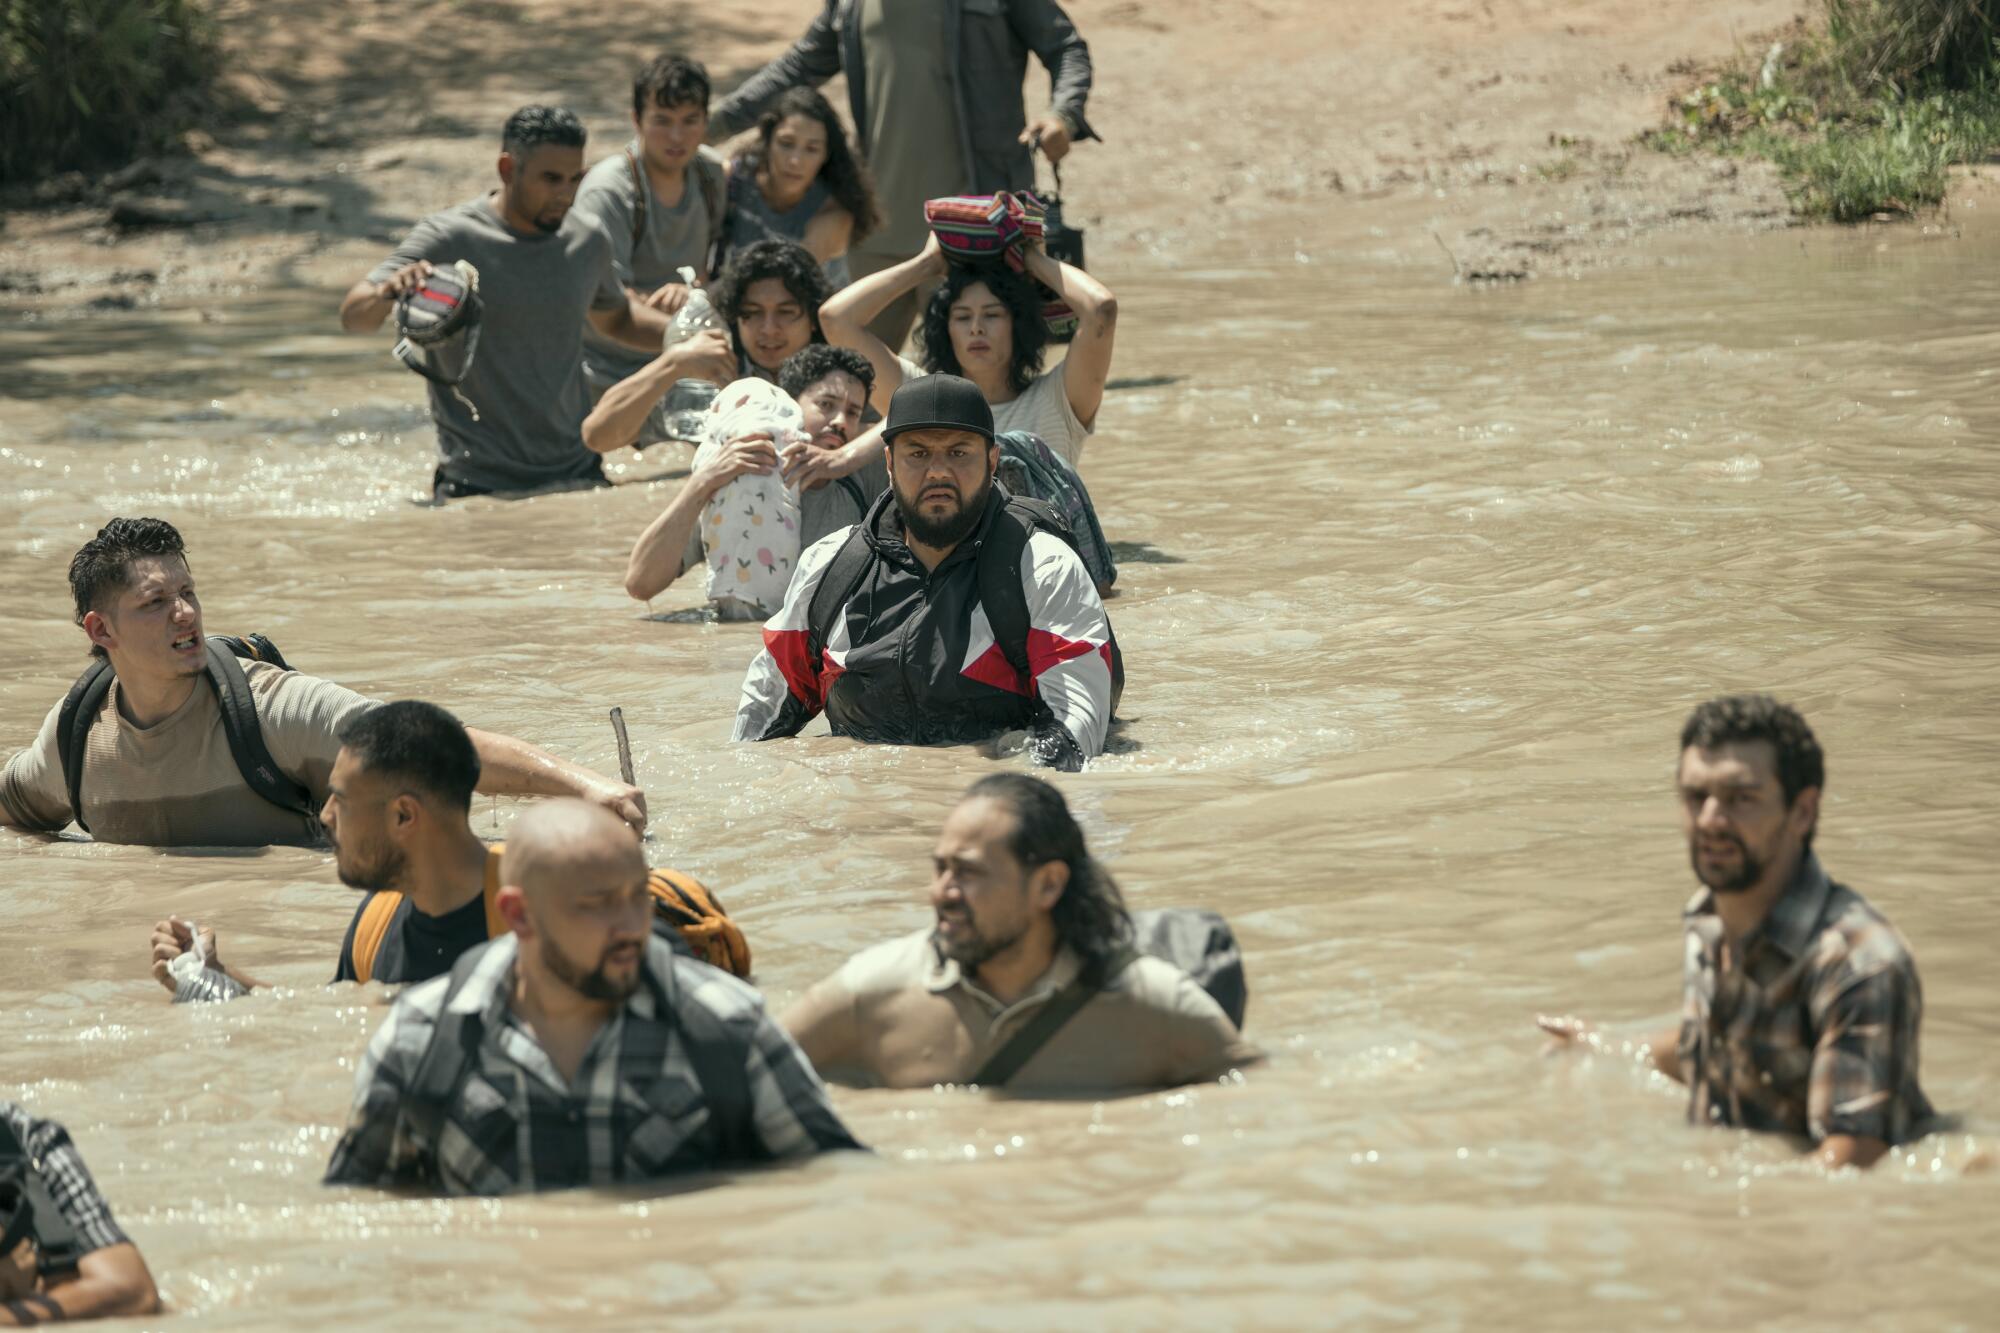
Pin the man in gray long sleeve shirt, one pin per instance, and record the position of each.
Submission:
(935, 91)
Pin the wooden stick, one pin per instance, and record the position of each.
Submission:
(624, 747)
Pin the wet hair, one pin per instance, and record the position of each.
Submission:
(103, 564)
(419, 744)
(1090, 917)
(670, 81)
(815, 361)
(534, 126)
(788, 262)
(1742, 718)
(1023, 299)
(846, 179)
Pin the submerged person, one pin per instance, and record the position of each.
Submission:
(935, 91)
(986, 324)
(1026, 922)
(144, 749)
(802, 181)
(769, 294)
(950, 614)
(62, 1255)
(662, 201)
(577, 1049)
(1800, 1002)
(514, 423)
(399, 817)
(820, 483)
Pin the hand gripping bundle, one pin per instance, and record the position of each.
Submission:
(439, 327)
(976, 229)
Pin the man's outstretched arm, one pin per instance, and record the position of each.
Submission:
(510, 767)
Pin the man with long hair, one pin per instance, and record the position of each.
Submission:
(1023, 919)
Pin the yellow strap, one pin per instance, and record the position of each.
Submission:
(496, 925)
(371, 930)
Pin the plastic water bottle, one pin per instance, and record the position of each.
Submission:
(687, 402)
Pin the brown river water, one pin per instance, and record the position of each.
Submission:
(1419, 583)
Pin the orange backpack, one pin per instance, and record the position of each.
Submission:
(681, 900)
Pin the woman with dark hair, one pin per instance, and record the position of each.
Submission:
(802, 181)
(985, 324)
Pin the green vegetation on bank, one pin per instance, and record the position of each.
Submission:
(85, 82)
(1864, 115)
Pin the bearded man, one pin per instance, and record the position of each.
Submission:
(950, 614)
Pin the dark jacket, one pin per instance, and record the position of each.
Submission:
(911, 658)
(992, 38)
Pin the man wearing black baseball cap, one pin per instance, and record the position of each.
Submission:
(953, 612)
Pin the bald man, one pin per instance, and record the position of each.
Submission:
(577, 1049)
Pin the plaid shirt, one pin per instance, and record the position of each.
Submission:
(52, 1156)
(1808, 1026)
(636, 1109)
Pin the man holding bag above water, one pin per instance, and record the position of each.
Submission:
(512, 420)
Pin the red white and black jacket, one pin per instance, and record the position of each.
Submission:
(911, 660)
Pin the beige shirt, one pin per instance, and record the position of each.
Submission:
(1043, 410)
(897, 1016)
(914, 148)
(175, 784)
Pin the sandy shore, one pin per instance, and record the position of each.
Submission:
(1491, 140)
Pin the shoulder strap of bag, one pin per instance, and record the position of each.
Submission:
(371, 927)
(716, 202)
(452, 1050)
(645, 197)
(836, 589)
(722, 1065)
(80, 708)
(1006, 1062)
(1000, 590)
(246, 738)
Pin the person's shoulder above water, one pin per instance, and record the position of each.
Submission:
(1855, 941)
(889, 968)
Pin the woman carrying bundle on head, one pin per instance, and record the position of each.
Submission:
(987, 323)
(802, 181)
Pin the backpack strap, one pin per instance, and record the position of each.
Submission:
(1000, 590)
(645, 197)
(80, 708)
(246, 738)
(715, 199)
(1006, 1062)
(451, 1052)
(836, 589)
(721, 1064)
(36, 1213)
(371, 927)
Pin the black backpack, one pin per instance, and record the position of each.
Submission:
(29, 1210)
(999, 575)
(239, 723)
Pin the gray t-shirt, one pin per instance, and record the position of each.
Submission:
(671, 237)
(526, 378)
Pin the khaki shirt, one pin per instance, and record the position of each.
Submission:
(175, 784)
(898, 1016)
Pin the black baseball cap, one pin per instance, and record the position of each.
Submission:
(939, 402)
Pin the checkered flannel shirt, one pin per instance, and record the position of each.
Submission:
(627, 1115)
(1809, 1025)
(60, 1165)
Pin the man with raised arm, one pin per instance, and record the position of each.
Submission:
(173, 739)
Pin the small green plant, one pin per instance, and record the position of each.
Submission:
(1864, 119)
(87, 81)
